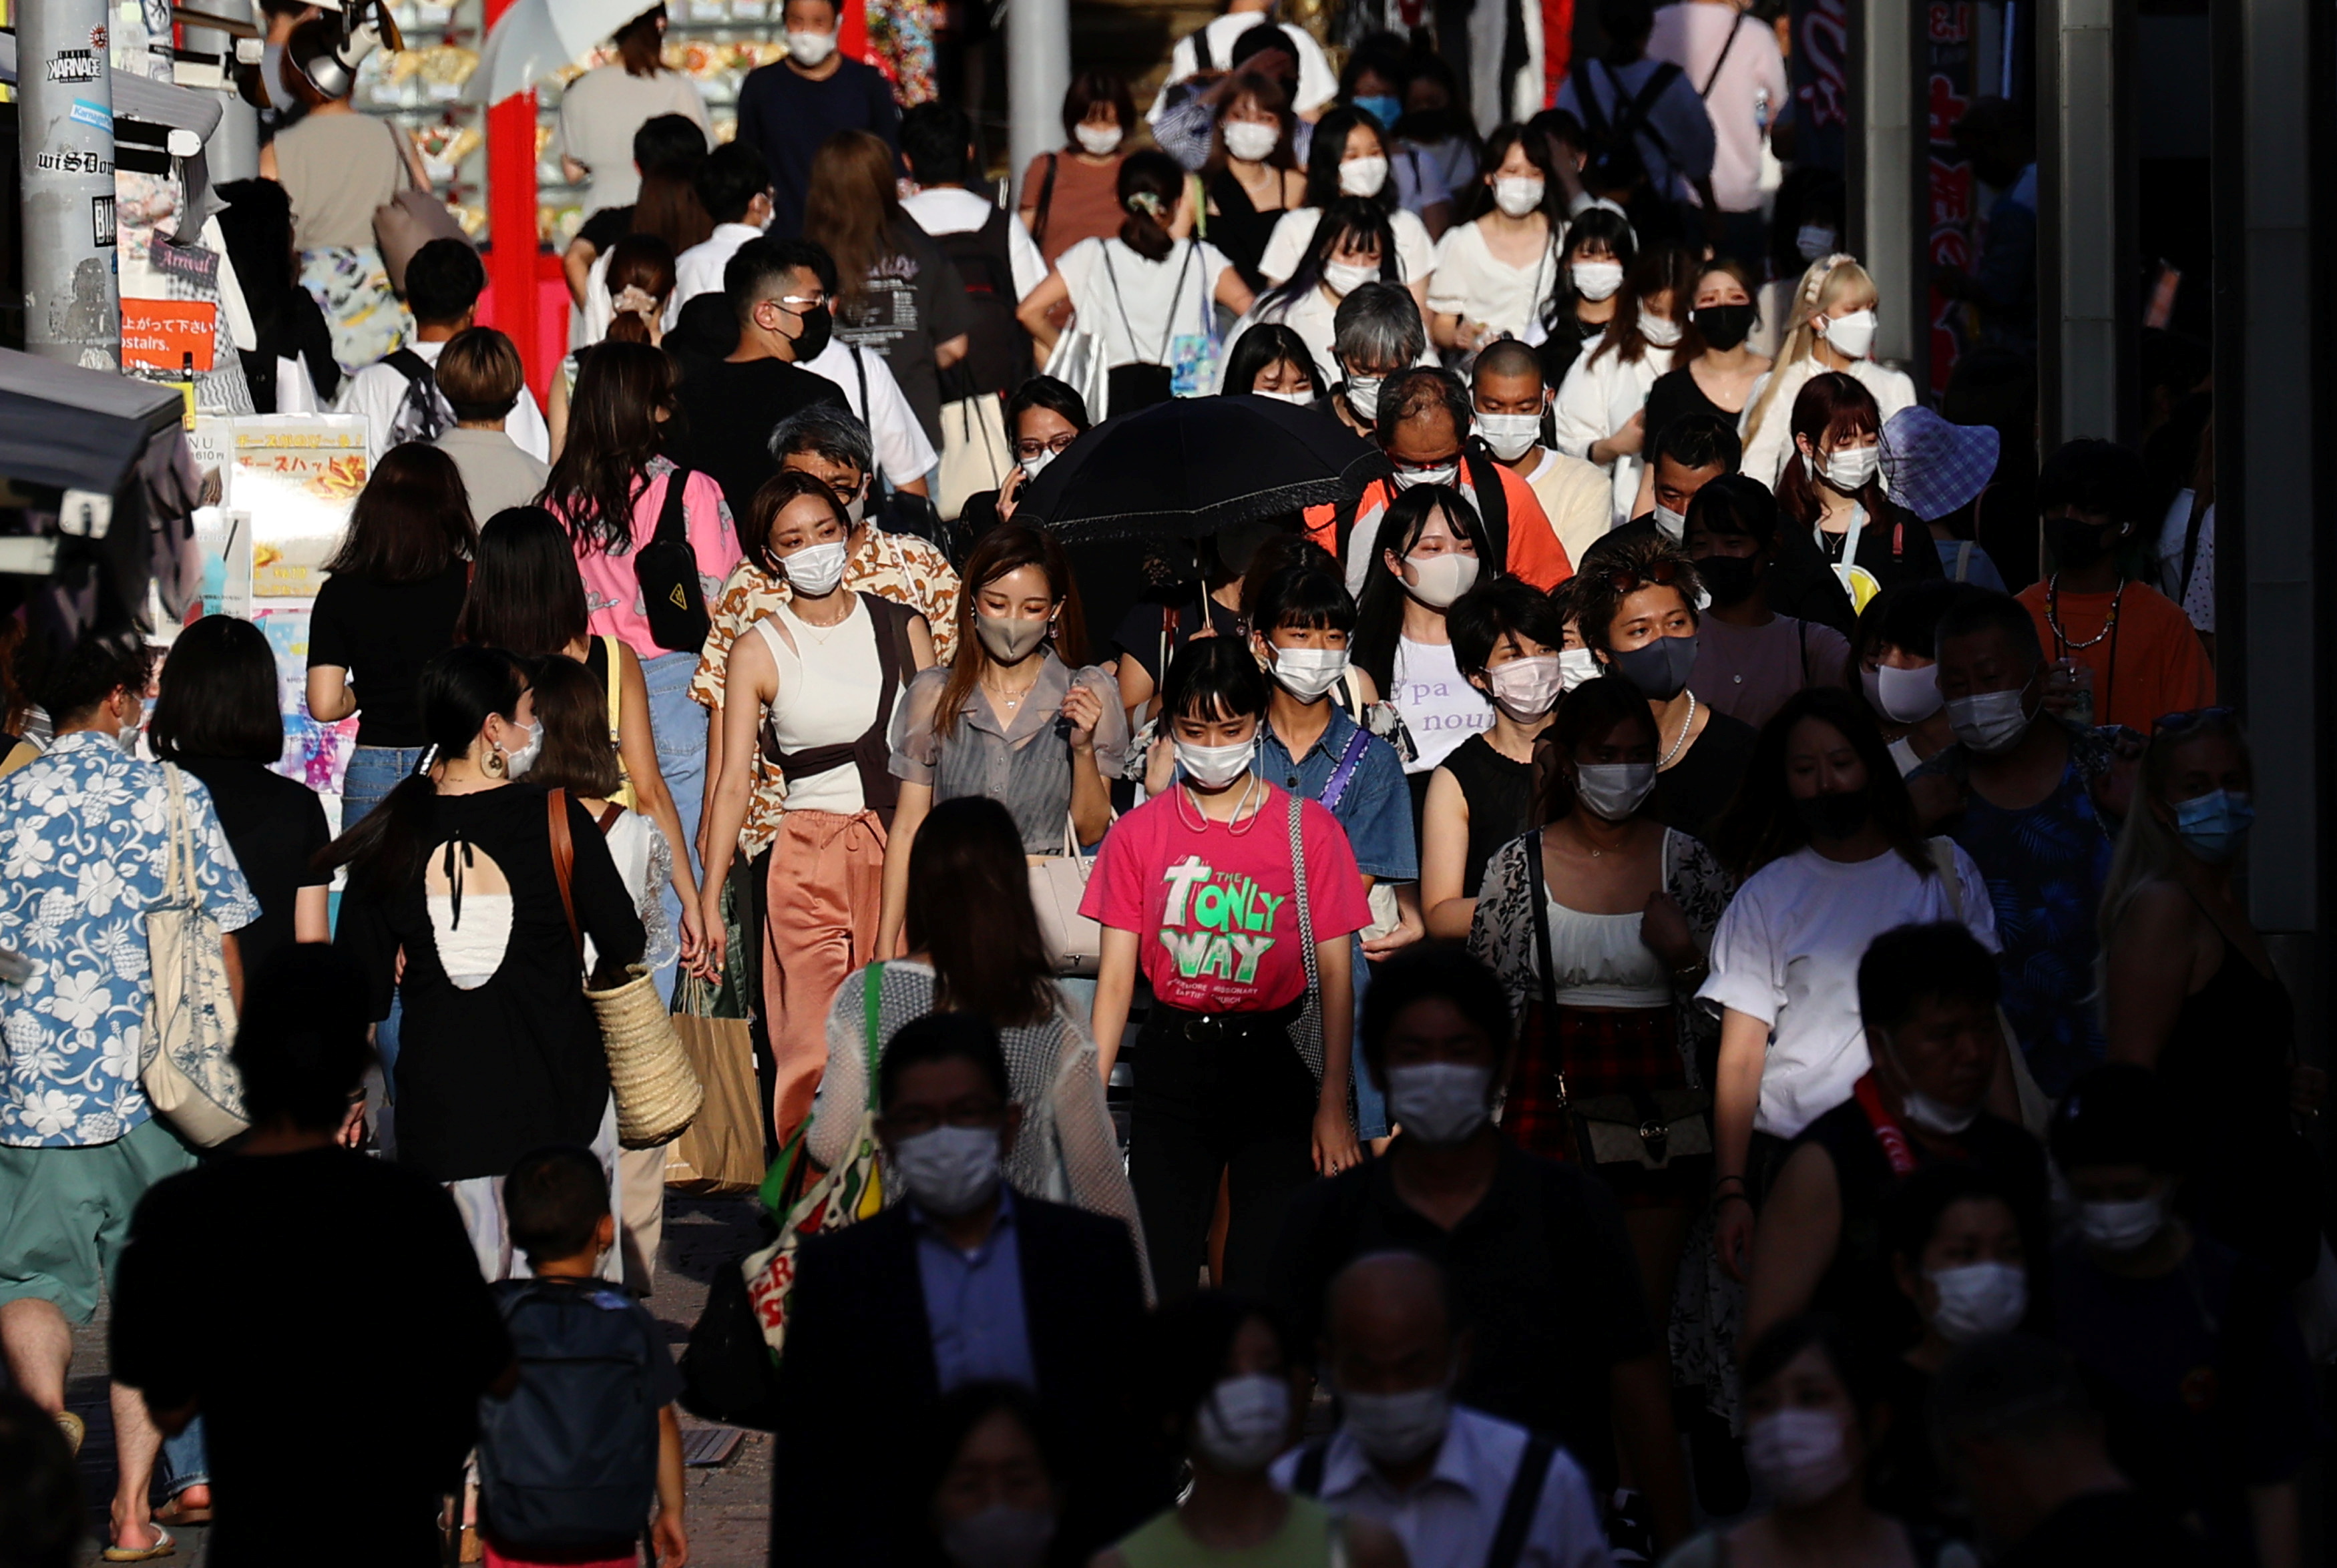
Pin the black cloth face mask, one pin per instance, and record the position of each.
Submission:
(1836, 817)
(1724, 327)
(1729, 578)
(2075, 543)
(1659, 668)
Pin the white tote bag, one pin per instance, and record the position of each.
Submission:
(184, 1062)
(976, 453)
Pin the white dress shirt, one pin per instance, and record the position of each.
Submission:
(1449, 1519)
(954, 209)
(902, 449)
(377, 390)
(698, 269)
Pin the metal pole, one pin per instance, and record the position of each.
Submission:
(2083, 332)
(64, 96)
(1038, 74)
(1885, 175)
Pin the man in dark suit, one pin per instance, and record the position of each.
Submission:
(962, 1282)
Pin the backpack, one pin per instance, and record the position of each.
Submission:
(998, 358)
(672, 600)
(570, 1458)
(1614, 141)
(423, 414)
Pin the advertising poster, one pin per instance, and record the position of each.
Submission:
(318, 755)
(298, 475)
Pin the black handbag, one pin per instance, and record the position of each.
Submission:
(667, 569)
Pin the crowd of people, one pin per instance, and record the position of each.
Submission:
(1667, 980)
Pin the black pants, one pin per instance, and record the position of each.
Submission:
(1226, 1096)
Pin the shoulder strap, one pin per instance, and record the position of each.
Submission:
(1305, 907)
(1046, 201)
(1943, 861)
(1492, 505)
(563, 862)
(610, 815)
(1633, 119)
(673, 523)
(410, 364)
(872, 994)
(1524, 1498)
(2191, 529)
(1735, 27)
(1336, 789)
(1539, 896)
(1306, 1481)
(860, 370)
(1963, 561)
(1204, 58)
(616, 680)
(1802, 634)
(1594, 117)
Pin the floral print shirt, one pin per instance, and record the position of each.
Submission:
(895, 566)
(84, 853)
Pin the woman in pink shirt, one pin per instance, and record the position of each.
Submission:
(610, 489)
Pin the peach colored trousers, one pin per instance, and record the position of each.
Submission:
(825, 892)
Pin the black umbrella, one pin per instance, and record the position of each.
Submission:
(1188, 467)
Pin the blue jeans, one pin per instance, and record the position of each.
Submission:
(374, 771)
(679, 725)
(186, 1462)
(1371, 1105)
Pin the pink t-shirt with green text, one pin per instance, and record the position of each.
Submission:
(1211, 906)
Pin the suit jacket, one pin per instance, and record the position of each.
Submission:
(857, 1378)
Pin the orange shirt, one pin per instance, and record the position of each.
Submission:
(1535, 553)
(2161, 666)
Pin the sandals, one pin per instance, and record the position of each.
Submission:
(179, 1510)
(74, 1428)
(164, 1546)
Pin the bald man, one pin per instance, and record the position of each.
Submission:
(1460, 1488)
(1509, 396)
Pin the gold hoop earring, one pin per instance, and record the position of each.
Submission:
(495, 765)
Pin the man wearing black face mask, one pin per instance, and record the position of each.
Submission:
(730, 406)
(1749, 658)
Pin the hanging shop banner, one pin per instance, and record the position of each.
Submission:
(164, 333)
(1821, 81)
(1949, 84)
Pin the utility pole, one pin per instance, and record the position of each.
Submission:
(1038, 74)
(65, 119)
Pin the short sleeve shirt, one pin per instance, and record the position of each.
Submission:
(913, 302)
(1373, 804)
(85, 853)
(1025, 763)
(612, 584)
(1211, 906)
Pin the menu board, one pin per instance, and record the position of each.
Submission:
(298, 475)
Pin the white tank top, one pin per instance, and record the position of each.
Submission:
(829, 682)
(1439, 707)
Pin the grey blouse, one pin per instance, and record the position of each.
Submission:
(1024, 764)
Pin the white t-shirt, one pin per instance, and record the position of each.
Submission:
(1691, 35)
(698, 269)
(1286, 248)
(952, 209)
(377, 391)
(600, 112)
(1156, 301)
(2198, 600)
(1477, 285)
(1318, 84)
(1787, 952)
(903, 451)
(1440, 708)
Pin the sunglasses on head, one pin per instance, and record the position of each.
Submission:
(1660, 575)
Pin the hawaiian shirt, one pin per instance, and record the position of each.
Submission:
(84, 853)
(895, 566)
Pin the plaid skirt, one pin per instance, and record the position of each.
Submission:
(1584, 1055)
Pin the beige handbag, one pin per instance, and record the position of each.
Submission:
(1057, 883)
(183, 1065)
(409, 220)
(976, 453)
(658, 1094)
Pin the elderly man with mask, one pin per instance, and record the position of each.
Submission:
(1457, 1487)
(2036, 800)
(1534, 1258)
(1927, 997)
(1375, 332)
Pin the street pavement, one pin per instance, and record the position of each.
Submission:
(729, 1504)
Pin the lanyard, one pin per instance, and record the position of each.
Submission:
(1849, 543)
(1887, 1132)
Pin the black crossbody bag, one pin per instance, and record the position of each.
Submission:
(667, 569)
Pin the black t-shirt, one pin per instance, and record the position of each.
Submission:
(730, 410)
(383, 634)
(1144, 629)
(325, 1313)
(276, 825)
(1693, 792)
(605, 227)
(1674, 393)
(1857, 1286)
(1542, 1275)
(2123, 1529)
(914, 301)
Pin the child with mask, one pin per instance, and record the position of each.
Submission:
(1236, 900)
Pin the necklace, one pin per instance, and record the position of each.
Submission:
(820, 631)
(998, 694)
(1687, 724)
(2053, 615)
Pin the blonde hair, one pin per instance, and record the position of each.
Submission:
(1829, 280)
(2147, 849)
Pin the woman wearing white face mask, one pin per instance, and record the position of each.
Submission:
(813, 691)
(1224, 1386)
(1598, 251)
(1597, 924)
(1506, 637)
(1074, 194)
(1831, 500)
(1810, 1407)
(1600, 413)
(1349, 156)
(1894, 646)
(1832, 328)
(1198, 888)
(1252, 176)
(1424, 557)
(1019, 715)
(1497, 271)
(1351, 246)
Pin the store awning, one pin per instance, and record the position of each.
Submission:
(140, 98)
(77, 429)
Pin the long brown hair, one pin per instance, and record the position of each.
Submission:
(1830, 405)
(969, 907)
(638, 43)
(850, 209)
(1009, 548)
(613, 431)
(640, 261)
(411, 522)
(668, 204)
(573, 709)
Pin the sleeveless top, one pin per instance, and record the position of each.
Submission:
(1500, 794)
(828, 700)
(1309, 1538)
(2227, 1056)
(1240, 227)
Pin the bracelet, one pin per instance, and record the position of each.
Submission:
(1720, 1198)
(1718, 1182)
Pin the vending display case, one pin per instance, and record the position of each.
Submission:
(420, 89)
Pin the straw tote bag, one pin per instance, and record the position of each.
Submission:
(657, 1092)
(191, 1011)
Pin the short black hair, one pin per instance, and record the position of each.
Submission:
(1048, 393)
(444, 281)
(1912, 1210)
(1906, 615)
(673, 143)
(1255, 41)
(1624, 21)
(1979, 609)
(101, 664)
(1305, 594)
(730, 179)
(1735, 504)
(554, 1198)
(301, 1044)
(943, 1038)
(1909, 965)
(219, 696)
(2096, 476)
(1697, 441)
(1443, 970)
(1497, 608)
(757, 267)
(937, 138)
(1214, 678)
(2116, 1114)
(1507, 356)
(1852, 1362)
